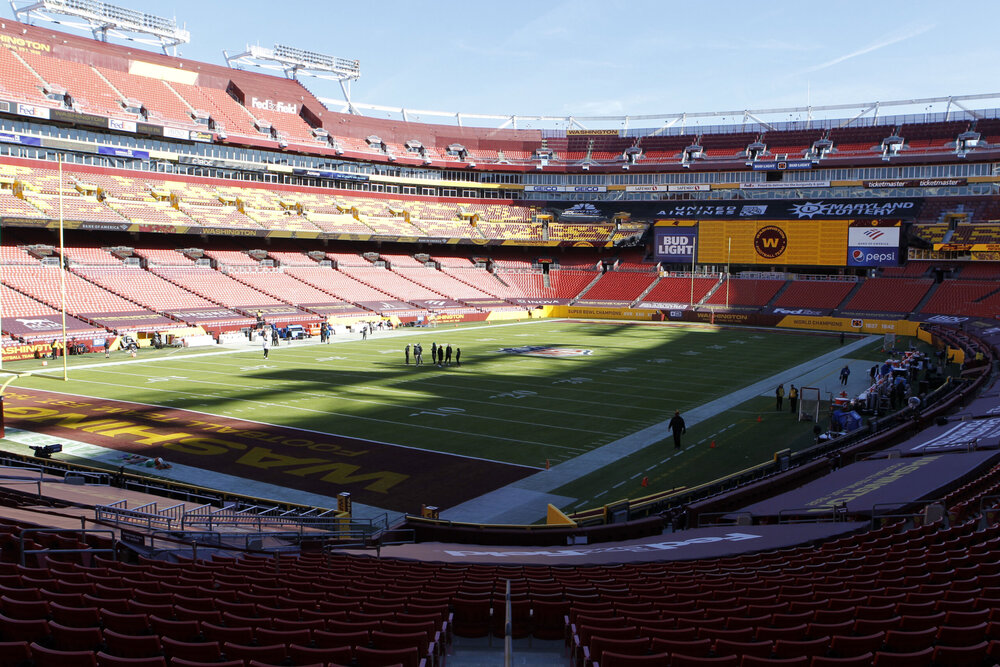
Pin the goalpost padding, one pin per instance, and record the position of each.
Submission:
(809, 404)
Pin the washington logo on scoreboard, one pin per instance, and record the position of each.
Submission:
(548, 351)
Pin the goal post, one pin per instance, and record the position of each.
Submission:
(809, 404)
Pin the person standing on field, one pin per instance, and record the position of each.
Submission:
(406, 353)
(793, 398)
(779, 396)
(266, 343)
(677, 426)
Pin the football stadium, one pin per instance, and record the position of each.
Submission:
(295, 381)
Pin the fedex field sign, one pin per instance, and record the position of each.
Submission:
(675, 245)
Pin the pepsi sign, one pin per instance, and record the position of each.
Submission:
(869, 256)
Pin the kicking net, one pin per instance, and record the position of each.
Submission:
(809, 404)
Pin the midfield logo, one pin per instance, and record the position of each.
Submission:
(547, 351)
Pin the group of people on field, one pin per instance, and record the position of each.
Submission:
(440, 355)
(793, 398)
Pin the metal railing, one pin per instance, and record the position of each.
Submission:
(118, 513)
(258, 517)
(80, 533)
(22, 479)
(828, 514)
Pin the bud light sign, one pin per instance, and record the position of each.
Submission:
(674, 245)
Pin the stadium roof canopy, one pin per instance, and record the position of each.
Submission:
(928, 109)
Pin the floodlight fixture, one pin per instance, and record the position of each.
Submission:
(756, 149)
(891, 145)
(821, 147)
(103, 19)
(966, 142)
(294, 62)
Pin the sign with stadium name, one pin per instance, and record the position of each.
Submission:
(272, 105)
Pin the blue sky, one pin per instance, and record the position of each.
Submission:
(616, 57)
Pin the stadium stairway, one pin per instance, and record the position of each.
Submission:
(777, 295)
(715, 288)
(584, 290)
(647, 290)
(481, 652)
(847, 299)
(927, 297)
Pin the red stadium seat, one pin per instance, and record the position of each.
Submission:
(47, 657)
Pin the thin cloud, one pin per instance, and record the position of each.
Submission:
(872, 47)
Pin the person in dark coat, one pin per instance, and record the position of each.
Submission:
(447, 354)
(458, 356)
(677, 426)
(440, 358)
(406, 352)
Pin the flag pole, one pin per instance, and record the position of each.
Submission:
(62, 271)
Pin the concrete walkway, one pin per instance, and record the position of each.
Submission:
(525, 501)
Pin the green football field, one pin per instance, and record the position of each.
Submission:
(526, 393)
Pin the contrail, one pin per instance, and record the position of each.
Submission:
(872, 47)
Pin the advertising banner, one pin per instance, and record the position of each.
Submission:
(723, 317)
(43, 325)
(675, 243)
(778, 185)
(873, 243)
(781, 165)
(779, 209)
(676, 187)
(333, 308)
(916, 183)
(142, 319)
(197, 315)
(435, 304)
(773, 242)
(387, 305)
(565, 188)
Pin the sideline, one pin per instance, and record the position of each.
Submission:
(523, 502)
(255, 347)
